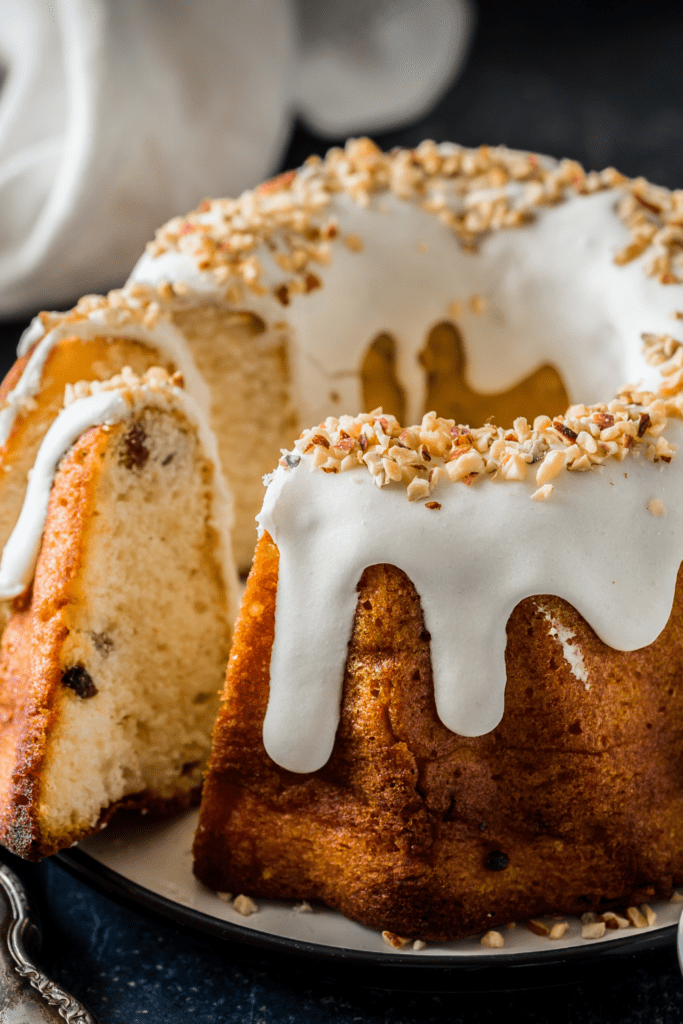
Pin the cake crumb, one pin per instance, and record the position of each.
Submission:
(244, 905)
(225, 896)
(303, 908)
(493, 940)
(477, 304)
(656, 507)
(419, 944)
(455, 310)
(676, 897)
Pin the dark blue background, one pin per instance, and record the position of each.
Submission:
(597, 81)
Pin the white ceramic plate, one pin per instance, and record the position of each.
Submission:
(150, 862)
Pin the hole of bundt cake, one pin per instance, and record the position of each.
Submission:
(379, 383)
(445, 362)
(78, 679)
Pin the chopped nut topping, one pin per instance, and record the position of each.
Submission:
(595, 930)
(637, 919)
(614, 921)
(471, 191)
(420, 456)
(393, 940)
(244, 905)
(354, 243)
(538, 927)
(130, 385)
(493, 940)
(558, 930)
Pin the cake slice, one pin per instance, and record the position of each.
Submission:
(121, 581)
(233, 367)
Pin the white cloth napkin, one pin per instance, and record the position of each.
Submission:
(117, 114)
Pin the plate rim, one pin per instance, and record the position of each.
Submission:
(89, 869)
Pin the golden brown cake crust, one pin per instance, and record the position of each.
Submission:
(573, 803)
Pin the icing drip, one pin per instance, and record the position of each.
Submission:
(472, 561)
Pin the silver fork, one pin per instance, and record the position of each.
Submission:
(27, 994)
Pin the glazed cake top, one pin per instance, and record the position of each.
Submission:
(472, 542)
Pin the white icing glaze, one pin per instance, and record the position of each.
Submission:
(164, 337)
(34, 331)
(595, 544)
(552, 294)
(21, 551)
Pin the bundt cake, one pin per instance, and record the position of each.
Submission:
(444, 713)
(122, 584)
(485, 284)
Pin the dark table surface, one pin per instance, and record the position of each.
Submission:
(594, 80)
